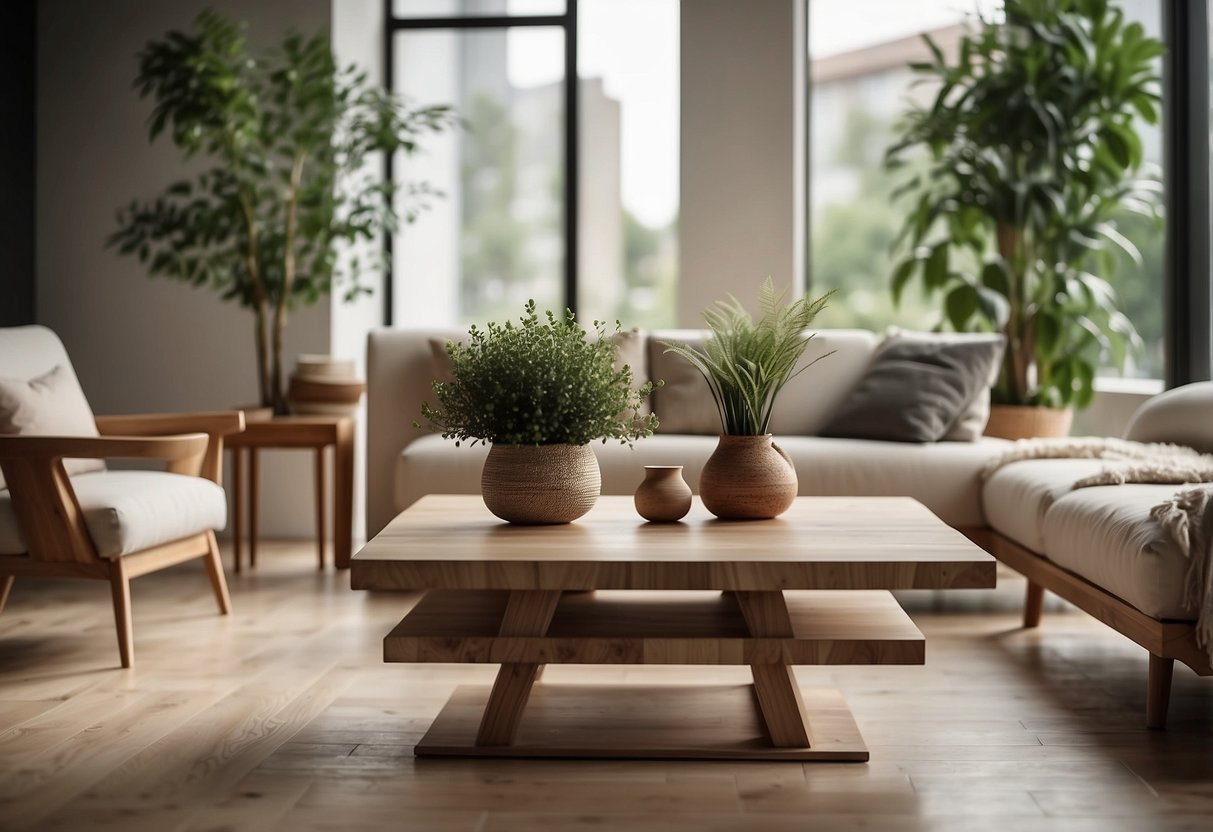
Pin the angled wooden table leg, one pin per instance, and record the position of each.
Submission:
(766, 615)
(528, 613)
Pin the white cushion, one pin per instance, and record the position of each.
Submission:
(1105, 534)
(50, 404)
(128, 511)
(1016, 496)
(943, 476)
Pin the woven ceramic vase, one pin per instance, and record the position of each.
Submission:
(748, 478)
(664, 496)
(540, 484)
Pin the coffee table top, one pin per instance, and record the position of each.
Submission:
(453, 542)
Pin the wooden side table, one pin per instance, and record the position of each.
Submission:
(318, 433)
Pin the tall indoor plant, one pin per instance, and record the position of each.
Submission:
(539, 392)
(1033, 157)
(285, 140)
(746, 364)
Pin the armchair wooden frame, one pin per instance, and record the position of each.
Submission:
(58, 540)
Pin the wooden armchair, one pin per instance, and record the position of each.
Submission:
(108, 524)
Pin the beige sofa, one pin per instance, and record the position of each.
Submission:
(405, 462)
(1096, 547)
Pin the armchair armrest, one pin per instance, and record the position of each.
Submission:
(215, 424)
(42, 493)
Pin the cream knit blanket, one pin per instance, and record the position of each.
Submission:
(1186, 518)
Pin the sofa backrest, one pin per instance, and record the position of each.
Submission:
(685, 404)
(401, 370)
(1183, 416)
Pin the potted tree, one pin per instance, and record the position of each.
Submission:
(539, 392)
(746, 363)
(1032, 158)
(286, 139)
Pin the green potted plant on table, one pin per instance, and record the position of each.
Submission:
(1032, 161)
(288, 140)
(539, 392)
(746, 363)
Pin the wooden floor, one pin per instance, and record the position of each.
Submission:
(284, 717)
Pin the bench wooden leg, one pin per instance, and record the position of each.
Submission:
(1033, 603)
(120, 587)
(1158, 691)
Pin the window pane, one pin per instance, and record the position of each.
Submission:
(475, 8)
(628, 258)
(496, 238)
(860, 85)
(859, 50)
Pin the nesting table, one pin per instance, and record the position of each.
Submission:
(810, 587)
(299, 432)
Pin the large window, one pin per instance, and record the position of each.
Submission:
(521, 215)
(859, 86)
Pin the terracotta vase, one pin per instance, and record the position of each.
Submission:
(664, 496)
(540, 484)
(748, 478)
(1013, 421)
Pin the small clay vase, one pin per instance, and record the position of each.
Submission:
(664, 496)
(748, 478)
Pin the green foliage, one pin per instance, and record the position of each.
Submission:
(1033, 158)
(538, 384)
(286, 138)
(747, 363)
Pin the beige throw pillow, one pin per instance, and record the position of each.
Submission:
(50, 405)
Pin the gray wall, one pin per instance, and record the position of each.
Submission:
(737, 215)
(140, 345)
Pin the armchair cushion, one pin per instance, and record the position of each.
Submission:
(51, 404)
(128, 511)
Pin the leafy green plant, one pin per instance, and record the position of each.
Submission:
(287, 138)
(1033, 161)
(747, 363)
(538, 383)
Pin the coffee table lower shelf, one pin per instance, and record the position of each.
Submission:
(720, 722)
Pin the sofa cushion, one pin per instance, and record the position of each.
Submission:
(1183, 416)
(685, 403)
(128, 511)
(943, 477)
(1106, 535)
(972, 420)
(915, 389)
(1016, 496)
(51, 404)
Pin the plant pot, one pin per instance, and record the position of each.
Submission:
(748, 478)
(664, 496)
(1014, 421)
(540, 484)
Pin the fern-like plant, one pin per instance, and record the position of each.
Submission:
(747, 363)
(538, 383)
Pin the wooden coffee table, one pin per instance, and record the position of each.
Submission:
(700, 592)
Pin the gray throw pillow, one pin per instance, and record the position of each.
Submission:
(914, 391)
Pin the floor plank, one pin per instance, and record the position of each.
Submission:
(284, 716)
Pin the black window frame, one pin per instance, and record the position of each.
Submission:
(572, 109)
